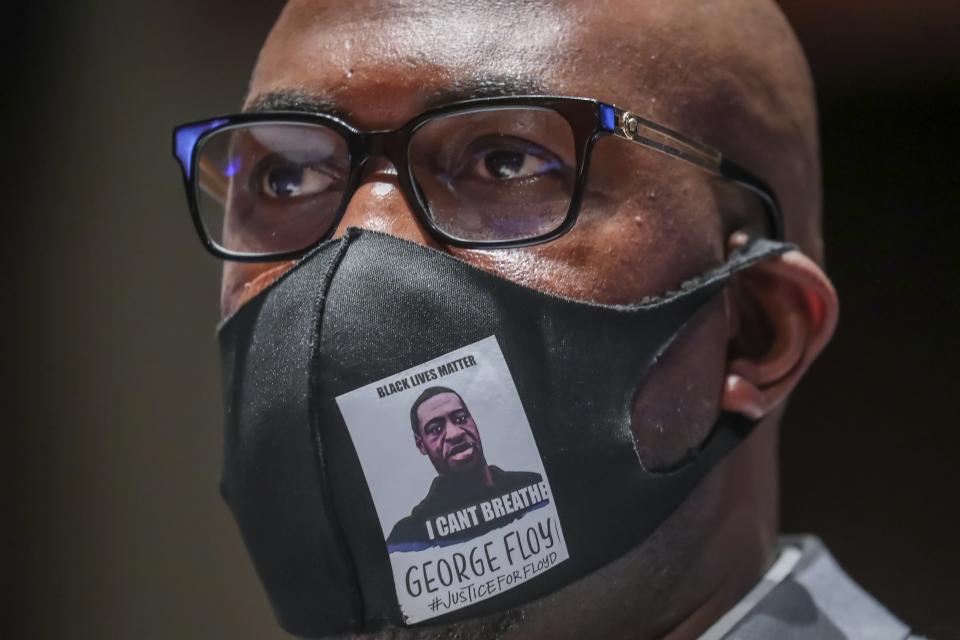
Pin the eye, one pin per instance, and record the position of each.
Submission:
(290, 180)
(460, 418)
(506, 158)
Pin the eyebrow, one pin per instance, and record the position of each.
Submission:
(486, 87)
(480, 87)
(294, 101)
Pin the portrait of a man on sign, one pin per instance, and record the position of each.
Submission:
(468, 497)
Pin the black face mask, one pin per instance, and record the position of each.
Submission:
(360, 310)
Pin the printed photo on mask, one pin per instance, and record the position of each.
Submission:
(457, 480)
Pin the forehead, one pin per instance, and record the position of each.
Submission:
(438, 405)
(379, 62)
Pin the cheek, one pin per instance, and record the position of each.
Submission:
(243, 281)
(624, 247)
(647, 222)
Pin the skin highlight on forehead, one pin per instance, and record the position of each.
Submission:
(409, 67)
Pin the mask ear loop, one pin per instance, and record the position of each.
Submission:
(729, 428)
(753, 251)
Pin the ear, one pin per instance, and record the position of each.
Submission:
(419, 442)
(784, 311)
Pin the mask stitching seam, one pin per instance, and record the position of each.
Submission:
(318, 448)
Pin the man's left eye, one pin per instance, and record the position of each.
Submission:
(515, 161)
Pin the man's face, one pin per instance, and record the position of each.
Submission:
(648, 222)
(448, 435)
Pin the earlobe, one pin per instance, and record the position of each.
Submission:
(794, 309)
(419, 442)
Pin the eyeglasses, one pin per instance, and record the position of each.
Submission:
(488, 173)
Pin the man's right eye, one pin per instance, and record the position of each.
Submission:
(290, 180)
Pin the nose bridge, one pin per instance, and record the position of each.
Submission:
(382, 201)
(385, 144)
(451, 429)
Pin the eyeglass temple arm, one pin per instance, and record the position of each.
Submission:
(634, 128)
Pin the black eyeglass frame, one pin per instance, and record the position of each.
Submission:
(589, 120)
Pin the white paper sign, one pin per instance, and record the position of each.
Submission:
(459, 486)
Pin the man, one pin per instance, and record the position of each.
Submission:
(444, 430)
(728, 73)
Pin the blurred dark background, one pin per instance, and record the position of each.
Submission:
(115, 529)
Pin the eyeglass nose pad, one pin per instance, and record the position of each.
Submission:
(379, 204)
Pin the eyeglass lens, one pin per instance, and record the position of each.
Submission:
(271, 187)
(495, 175)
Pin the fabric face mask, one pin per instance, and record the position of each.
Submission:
(411, 440)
